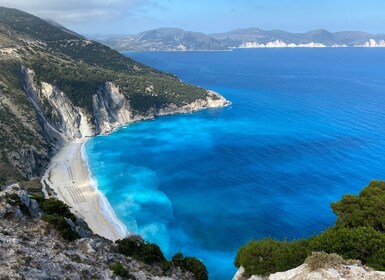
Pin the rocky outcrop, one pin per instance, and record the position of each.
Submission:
(31, 249)
(303, 272)
(110, 109)
(213, 100)
(27, 161)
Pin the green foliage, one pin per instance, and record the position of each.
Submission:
(365, 210)
(60, 224)
(359, 234)
(195, 266)
(56, 213)
(135, 247)
(53, 206)
(267, 256)
(118, 269)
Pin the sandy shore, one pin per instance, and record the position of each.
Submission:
(69, 177)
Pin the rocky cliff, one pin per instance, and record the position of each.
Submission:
(31, 248)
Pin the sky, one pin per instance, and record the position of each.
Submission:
(208, 16)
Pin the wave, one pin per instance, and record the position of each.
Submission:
(105, 207)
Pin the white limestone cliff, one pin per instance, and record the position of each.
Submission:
(303, 272)
(64, 122)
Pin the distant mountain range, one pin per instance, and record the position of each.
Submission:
(175, 39)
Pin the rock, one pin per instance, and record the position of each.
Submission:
(24, 197)
(303, 272)
(34, 208)
(18, 213)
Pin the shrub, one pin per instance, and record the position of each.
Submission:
(365, 210)
(53, 206)
(137, 248)
(118, 269)
(195, 266)
(267, 256)
(60, 224)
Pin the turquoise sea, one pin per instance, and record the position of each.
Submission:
(305, 127)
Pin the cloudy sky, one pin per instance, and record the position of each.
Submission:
(132, 16)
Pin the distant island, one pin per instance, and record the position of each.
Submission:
(175, 39)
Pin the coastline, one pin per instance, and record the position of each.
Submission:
(69, 176)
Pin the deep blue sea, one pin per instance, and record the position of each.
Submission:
(305, 127)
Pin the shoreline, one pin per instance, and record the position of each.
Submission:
(69, 176)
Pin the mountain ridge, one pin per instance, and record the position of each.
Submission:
(252, 37)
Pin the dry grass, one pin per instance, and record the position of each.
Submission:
(321, 260)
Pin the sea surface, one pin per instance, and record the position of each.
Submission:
(305, 127)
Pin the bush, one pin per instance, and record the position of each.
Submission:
(365, 210)
(359, 234)
(53, 206)
(60, 224)
(267, 256)
(118, 269)
(56, 213)
(195, 266)
(137, 248)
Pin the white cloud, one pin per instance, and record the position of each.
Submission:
(71, 11)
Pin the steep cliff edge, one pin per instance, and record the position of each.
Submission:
(57, 87)
(32, 248)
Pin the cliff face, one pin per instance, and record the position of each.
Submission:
(62, 121)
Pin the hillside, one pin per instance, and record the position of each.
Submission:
(164, 39)
(41, 239)
(57, 86)
(175, 39)
(242, 37)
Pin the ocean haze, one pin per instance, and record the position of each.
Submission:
(304, 128)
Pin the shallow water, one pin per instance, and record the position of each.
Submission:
(306, 126)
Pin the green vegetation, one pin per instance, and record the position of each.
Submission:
(118, 269)
(195, 266)
(150, 253)
(56, 213)
(358, 234)
(137, 248)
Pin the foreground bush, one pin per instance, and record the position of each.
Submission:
(359, 234)
(56, 213)
(137, 248)
(195, 266)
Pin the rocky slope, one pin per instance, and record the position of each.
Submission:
(31, 249)
(57, 86)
